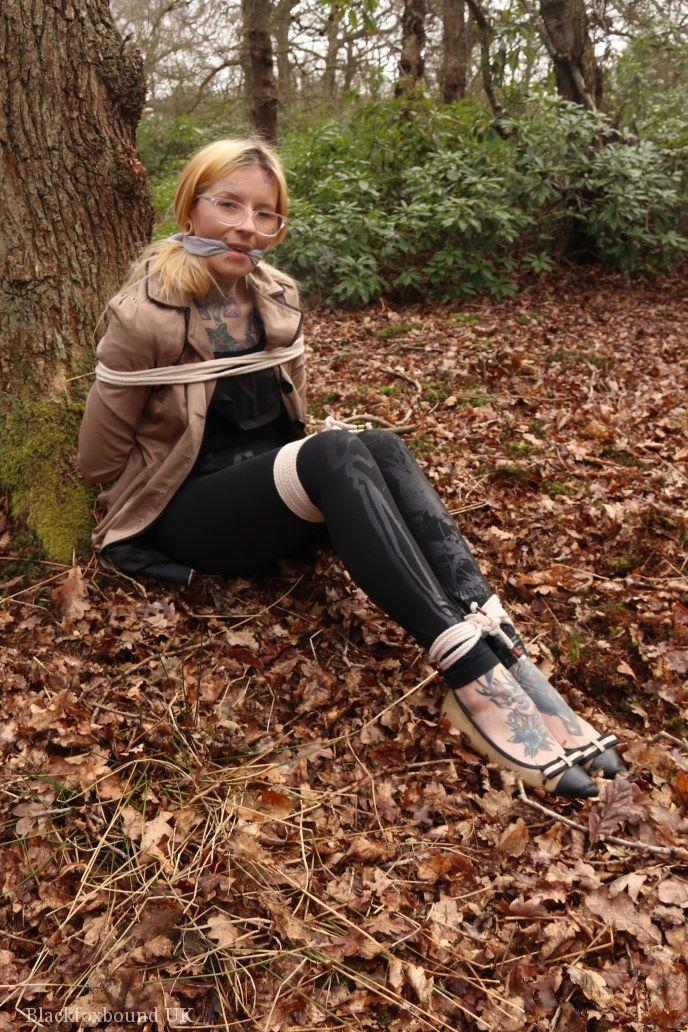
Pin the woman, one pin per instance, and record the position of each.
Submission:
(198, 415)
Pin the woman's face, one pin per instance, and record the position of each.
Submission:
(253, 187)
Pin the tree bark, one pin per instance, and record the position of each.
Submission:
(333, 47)
(454, 50)
(76, 208)
(261, 84)
(412, 63)
(565, 31)
(284, 66)
(486, 31)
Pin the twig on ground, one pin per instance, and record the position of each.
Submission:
(671, 738)
(32, 587)
(404, 376)
(671, 851)
(37, 562)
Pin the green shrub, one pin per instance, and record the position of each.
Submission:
(413, 199)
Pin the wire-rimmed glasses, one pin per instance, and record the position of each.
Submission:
(232, 213)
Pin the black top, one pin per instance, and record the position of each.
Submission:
(246, 415)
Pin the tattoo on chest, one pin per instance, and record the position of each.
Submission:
(222, 340)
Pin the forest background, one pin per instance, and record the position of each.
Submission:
(239, 801)
(433, 150)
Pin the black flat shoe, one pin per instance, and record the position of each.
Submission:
(599, 756)
(562, 776)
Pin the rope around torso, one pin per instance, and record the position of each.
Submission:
(198, 372)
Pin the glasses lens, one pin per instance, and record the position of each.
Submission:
(232, 213)
(268, 222)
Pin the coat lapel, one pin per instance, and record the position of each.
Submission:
(281, 320)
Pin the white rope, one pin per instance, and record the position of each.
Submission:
(331, 423)
(489, 617)
(453, 644)
(458, 640)
(198, 372)
(289, 487)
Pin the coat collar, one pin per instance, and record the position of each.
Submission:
(282, 321)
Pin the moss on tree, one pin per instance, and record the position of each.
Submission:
(37, 466)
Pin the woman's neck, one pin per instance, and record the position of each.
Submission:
(226, 291)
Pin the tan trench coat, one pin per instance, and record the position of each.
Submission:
(147, 439)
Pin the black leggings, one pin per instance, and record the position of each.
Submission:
(385, 521)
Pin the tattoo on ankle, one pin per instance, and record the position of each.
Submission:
(529, 731)
(504, 692)
(545, 696)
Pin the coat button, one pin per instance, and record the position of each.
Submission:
(286, 386)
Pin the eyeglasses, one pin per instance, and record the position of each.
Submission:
(233, 213)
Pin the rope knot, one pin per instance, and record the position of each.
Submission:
(485, 623)
(488, 619)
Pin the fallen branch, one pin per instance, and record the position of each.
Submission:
(402, 375)
(671, 851)
(671, 738)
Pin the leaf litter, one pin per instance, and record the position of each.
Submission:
(235, 805)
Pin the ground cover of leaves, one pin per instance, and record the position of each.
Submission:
(223, 810)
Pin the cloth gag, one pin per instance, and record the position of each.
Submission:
(205, 247)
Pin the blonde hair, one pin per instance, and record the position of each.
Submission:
(182, 275)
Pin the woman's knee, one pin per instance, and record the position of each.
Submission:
(384, 443)
(330, 448)
(332, 456)
(303, 468)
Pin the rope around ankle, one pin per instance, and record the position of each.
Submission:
(458, 640)
(489, 617)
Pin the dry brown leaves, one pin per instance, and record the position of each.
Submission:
(185, 826)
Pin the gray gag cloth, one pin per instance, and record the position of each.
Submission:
(204, 247)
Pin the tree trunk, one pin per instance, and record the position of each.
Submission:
(333, 46)
(486, 31)
(454, 50)
(261, 85)
(350, 65)
(565, 30)
(284, 66)
(76, 209)
(412, 63)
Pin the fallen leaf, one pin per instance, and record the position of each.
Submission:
(419, 981)
(622, 914)
(515, 838)
(591, 984)
(221, 929)
(69, 597)
(673, 890)
(616, 807)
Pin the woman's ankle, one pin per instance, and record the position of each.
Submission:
(568, 727)
(504, 713)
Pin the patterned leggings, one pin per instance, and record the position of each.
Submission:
(383, 518)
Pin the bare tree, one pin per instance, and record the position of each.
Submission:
(282, 20)
(412, 63)
(454, 50)
(76, 207)
(565, 32)
(486, 32)
(261, 86)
